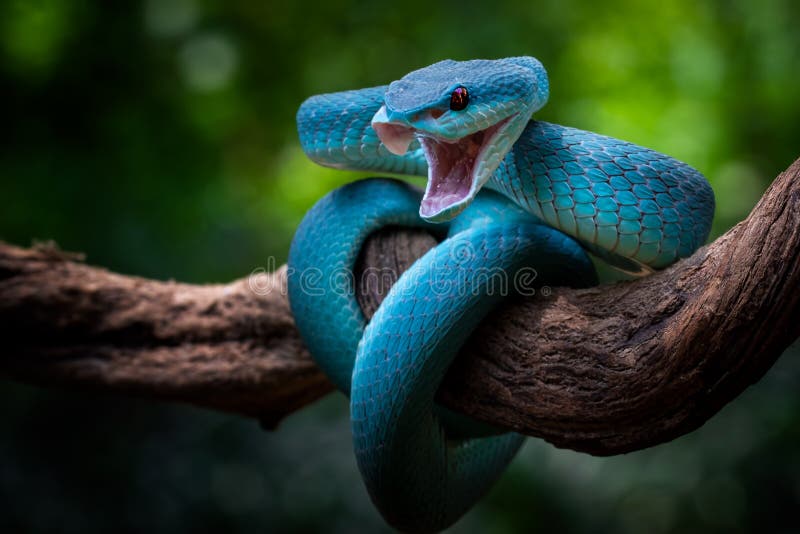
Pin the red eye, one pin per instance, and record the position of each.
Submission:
(459, 99)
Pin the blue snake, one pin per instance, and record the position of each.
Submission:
(512, 199)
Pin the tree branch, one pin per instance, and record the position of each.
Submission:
(604, 370)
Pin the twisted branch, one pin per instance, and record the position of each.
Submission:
(603, 370)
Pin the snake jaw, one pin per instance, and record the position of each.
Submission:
(458, 169)
(457, 166)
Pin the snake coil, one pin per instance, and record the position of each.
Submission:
(513, 199)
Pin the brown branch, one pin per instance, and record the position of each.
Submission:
(604, 370)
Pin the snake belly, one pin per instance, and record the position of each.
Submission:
(556, 193)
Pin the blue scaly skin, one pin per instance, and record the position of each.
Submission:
(511, 194)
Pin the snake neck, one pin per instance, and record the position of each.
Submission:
(635, 208)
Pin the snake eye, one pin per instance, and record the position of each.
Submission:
(459, 99)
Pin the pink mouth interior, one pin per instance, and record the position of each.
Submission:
(451, 169)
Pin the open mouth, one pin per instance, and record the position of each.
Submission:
(453, 165)
(452, 170)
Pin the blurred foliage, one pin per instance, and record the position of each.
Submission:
(158, 137)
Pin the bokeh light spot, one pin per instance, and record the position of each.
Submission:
(208, 62)
(32, 33)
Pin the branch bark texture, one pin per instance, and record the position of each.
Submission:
(604, 370)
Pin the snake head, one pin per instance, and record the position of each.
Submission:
(467, 115)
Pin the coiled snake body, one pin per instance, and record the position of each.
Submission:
(551, 194)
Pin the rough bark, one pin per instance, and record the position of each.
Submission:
(603, 370)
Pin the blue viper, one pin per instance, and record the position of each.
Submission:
(511, 197)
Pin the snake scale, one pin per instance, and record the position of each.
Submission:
(512, 199)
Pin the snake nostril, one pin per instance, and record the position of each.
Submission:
(436, 113)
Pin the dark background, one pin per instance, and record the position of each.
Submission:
(158, 137)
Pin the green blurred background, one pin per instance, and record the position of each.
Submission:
(158, 137)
